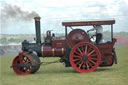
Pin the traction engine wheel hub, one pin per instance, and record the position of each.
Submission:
(84, 57)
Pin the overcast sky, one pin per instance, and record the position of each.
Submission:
(53, 12)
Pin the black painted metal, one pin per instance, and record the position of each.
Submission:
(21, 65)
(36, 60)
(66, 31)
(65, 58)
(31, 47)
(38, 33)
(112, 32)
(48, 39)
(85, 57)
(115, 57)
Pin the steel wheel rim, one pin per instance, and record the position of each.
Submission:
(91, 58)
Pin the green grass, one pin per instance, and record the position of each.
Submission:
(57, 74)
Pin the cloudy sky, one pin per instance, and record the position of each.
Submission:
(53, 12)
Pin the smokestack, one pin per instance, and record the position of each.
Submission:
(37, 28)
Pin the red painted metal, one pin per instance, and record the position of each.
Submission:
(58, 43)
(106, 53)
(75, 49)
(22, 59)
(76, 36)
(85, 49)
(88, 22)
(49, 51)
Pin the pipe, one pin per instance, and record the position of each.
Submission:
(37, 28)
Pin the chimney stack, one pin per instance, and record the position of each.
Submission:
(37, 28)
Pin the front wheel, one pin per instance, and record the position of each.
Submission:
(25, 63)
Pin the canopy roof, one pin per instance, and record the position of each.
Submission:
(89, 22)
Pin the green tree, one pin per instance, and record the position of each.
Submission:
(3, 40)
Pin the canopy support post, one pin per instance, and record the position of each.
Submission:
(112, 32)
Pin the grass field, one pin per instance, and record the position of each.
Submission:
(57, 74)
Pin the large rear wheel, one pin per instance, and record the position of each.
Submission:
(85, 57)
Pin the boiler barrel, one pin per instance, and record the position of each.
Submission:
(48, 51)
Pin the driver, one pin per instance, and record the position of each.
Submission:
(99, 31)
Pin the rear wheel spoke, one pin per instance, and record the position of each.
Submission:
(86, 49)
(82, 48)
(76, 56)
(87, 65)
(81, 64)
(77, 53)
(79, 50)
(93, 58)
(91, 52)
(89, 49)
(76, 59)
(92, 62)
(78, 62)
(84, 65)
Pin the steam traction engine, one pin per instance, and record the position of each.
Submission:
(76, 49)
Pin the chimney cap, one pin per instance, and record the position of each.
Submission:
(37, 18)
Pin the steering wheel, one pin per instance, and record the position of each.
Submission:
(92, 36)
